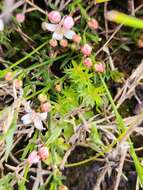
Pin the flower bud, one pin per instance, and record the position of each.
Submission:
(45, 107)
(93, 24)
(8, 76)
(63, 187)
(87, 62)
(43, 153)
(53, 43)
(99, 67)
(68, 22)
(54, 17)
(86, 49)
(58, 87)
(140, 41)
(64, 43)
(33, 158)
(42, 97)
(76, 38)
(20, 17)
(18, 83)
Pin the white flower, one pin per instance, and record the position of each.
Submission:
(1, 25)
(59, 31)
(33, 117)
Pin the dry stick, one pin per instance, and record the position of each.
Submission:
(62, 6)
(106, 23)
(120, 168)
(101, 178)
(36, 7)
(130, 84)
(15, 6)
(114, 33)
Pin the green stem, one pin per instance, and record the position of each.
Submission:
(122, 18)
(2, 73)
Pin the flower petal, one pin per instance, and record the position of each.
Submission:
(69, 34)
(57, 36)
(38, 123)
(1, 25)
(26, 119)
(51, 27)
(48, 26)
(43, 116)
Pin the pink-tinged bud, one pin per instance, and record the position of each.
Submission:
(8, 76)
(33, 158)
(58, 87)
(45, 107)
(54, 17)
(87, 62)
(99, 67)
(43, 153)
(93, 24)
(76, 38)
(18, 83)
(86, 49)
(63, 187)
(42, 97)
(64, 43)
(20, 17)
(68, 22)
(53, 43)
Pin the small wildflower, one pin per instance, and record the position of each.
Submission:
(1, 25)
(8, 76)
(93, 24)
(68, 22)
(58, 87)
(54, 17)
(76, 38)
(86, 49)
(58, 29)
(53, 43)
(87, 62)
(45, 107)
(63, 187)
(43, 153)
(33, 117)
(64, 43)
(33, 158)
(42, 97)
(20, 17)
(18, 83)
(99, 67)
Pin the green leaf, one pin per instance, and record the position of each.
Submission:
(10, 134)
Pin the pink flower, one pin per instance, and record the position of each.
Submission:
(64, 43)
(68, 22)
(53, 43)
(33, 158)
(88, 62)
(93, 24)
(43, 153)
(99, 68)
(54, 17)
(76, 38)
(20, 17)
(86, 49)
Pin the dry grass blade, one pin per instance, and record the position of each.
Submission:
(128, 89)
